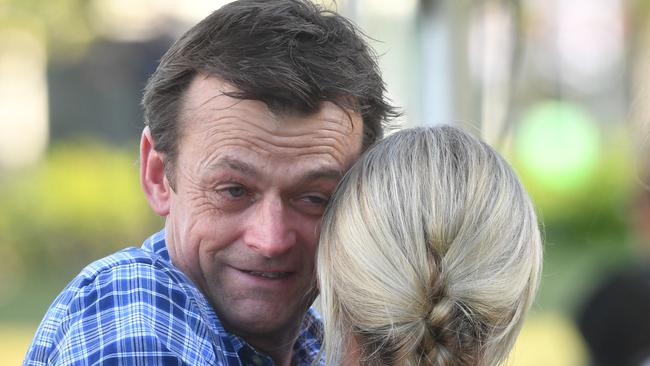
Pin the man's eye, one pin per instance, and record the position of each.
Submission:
(312, 203)
(235, 191)
(316, 199)
(233, 197)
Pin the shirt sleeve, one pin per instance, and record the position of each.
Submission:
(131, 314)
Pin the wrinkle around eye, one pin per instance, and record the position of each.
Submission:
(205, 207)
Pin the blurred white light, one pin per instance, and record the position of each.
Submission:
(192, 11)
(134, 20)
(390, 8)
(126, 20)
(579, 42)
(491, 47)
(490, 43)
(23, 98)
(590, 39)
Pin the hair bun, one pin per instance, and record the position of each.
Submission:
(439, 305)
(449, 336)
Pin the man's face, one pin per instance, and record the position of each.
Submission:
(250, 190)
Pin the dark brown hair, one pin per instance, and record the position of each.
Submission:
(290, 54)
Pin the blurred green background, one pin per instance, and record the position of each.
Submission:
(557, 87)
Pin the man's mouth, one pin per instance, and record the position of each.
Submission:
(272, 275)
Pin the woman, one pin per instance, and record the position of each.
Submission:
(430, 254)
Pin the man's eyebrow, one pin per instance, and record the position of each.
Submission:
(326, 173)
(234, 164)
(322, 173)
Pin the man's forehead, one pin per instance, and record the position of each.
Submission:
(209, 94)
(214, 119)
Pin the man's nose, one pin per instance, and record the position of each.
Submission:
(270, 232)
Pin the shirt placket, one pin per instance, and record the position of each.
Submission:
(253, 358)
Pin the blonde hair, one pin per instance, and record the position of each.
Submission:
(430, 253)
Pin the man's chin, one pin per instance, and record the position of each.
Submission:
(263, 320)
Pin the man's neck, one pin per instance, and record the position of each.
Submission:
(277, 345)
(282, 358)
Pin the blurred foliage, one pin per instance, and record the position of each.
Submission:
(598, 210)
(81, 203)
(64, 25)
(587, 229)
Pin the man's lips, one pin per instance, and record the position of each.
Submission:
(271, 275)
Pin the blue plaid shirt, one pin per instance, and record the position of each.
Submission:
(135, 308)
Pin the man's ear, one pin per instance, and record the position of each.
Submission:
(152, 175)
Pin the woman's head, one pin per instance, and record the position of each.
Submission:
(430, 253)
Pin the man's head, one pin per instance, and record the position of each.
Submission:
(252, 118)
(290, 54)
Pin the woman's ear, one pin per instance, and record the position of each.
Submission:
(152, 175)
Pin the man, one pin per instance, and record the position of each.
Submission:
(252, 117)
